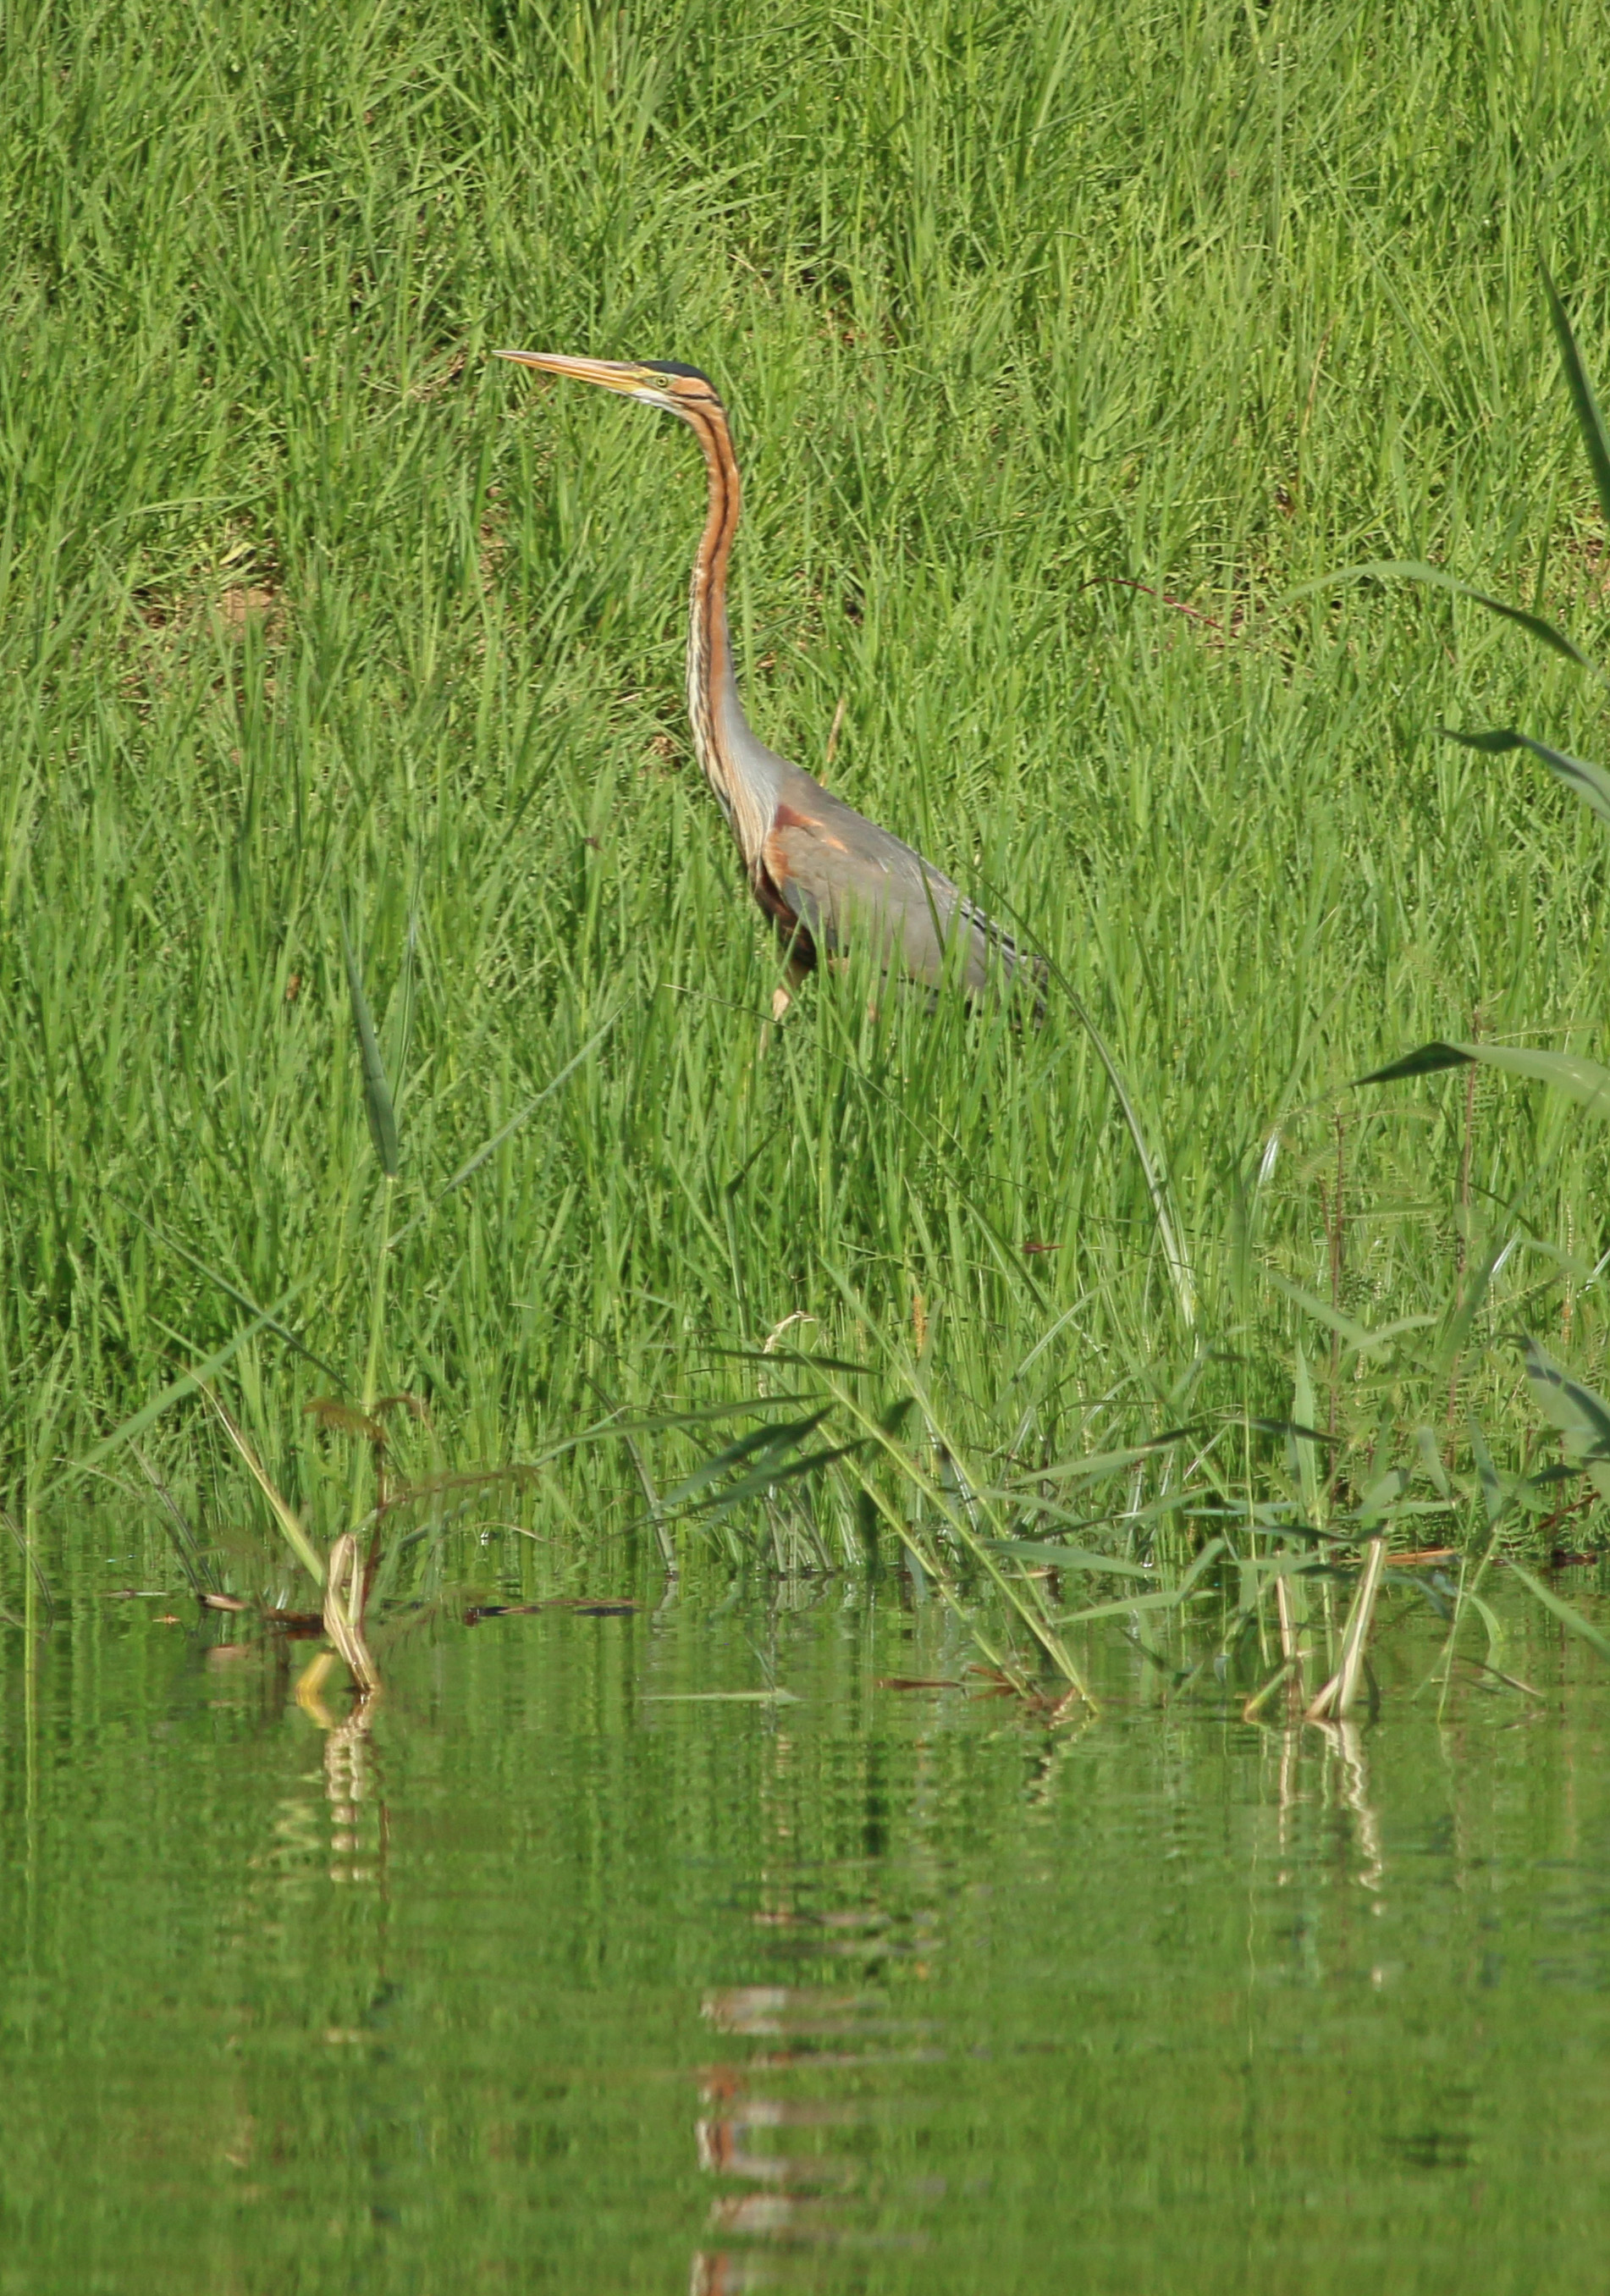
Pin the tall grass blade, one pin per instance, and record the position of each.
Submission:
(1302, 1439)
(377, 1089)
(1495, 1499)
(1469, 1297)
(37, 1580)
(489, 1148)
(1180, 1273)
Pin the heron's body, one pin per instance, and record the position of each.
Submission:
(827, 878)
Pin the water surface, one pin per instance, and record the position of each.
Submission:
(547, 1972)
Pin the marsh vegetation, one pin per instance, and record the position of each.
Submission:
(346, 786)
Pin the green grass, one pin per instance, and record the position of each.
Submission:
(308, 608)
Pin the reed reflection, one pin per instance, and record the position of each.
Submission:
(359, 1821)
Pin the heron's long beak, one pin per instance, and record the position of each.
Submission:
(614, 374)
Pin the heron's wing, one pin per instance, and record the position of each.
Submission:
(849, 882)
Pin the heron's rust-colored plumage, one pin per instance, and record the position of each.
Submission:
(826, 876)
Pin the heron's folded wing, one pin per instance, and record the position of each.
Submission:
(851, 882)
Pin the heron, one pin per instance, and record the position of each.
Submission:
(826, 876)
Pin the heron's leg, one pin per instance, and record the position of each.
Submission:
(800, 962)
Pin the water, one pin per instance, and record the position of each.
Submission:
(546, 1974)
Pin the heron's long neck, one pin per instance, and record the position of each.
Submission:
(721, 730)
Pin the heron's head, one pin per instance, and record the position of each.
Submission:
(679, 389)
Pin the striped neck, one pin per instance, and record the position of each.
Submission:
(719, 728)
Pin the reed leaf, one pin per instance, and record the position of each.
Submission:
(1572, 1073)
(1584, 779)
(1589, 421)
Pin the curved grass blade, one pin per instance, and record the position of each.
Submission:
(1181, 1275)
(1582, 1079)
(1466, 1306)
(1320, 1310)
(1415, 570)
(771, 1474)
(1297, 1429)
(1582, 1417)
(196, 1567)
(231, 1290)
(1589, 421)
(281, 1508)
(1427, 1061)
(1588, 782)
(1359, 1339)
(1166, 1598)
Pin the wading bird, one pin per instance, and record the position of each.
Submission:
(824, 875)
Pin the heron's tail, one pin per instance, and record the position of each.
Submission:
(1026, 972)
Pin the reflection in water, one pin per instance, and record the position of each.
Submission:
(1345, 1745)
(719, 2274)
(801, 2185)
(1172, 2002)
(814, 2199)
(1344, 1782)
(359, 1824)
